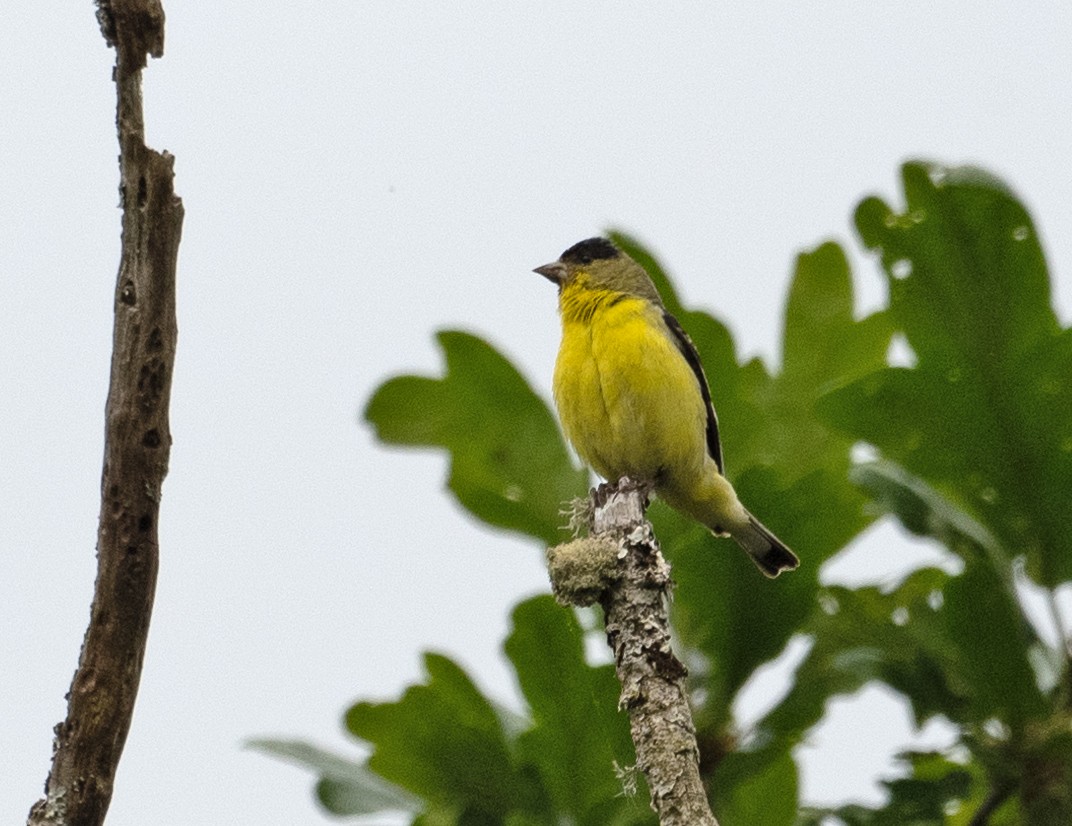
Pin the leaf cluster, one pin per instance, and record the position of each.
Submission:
(973, 439)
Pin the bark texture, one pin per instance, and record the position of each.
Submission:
(634, 602)
(89, 742)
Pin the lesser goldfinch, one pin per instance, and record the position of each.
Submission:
(633, 398)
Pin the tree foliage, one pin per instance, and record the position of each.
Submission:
(974, 451)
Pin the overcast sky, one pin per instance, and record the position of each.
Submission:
(356, 176)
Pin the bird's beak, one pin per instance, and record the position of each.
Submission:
(555, 272)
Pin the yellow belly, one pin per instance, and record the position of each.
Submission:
(629, 402)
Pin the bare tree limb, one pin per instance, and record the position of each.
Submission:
(620, 565)
(88, 744)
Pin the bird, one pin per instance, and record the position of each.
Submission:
(633, 398)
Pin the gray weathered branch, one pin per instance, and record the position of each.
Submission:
(620, 566)
(88, 744)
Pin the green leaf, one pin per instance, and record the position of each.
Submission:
(956, 646)
(509, 464)
(984, 618)
(923, 511)
(345, 787)
(998, 671)
(578, 735)
(986, 414)
(759, 789)
(924, 639)
(824, 344)
(438, 816)
(444, 742)
(866, 634)
(978, 289)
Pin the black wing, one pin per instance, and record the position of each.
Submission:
(688, 350)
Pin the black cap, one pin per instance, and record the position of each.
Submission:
(592, 249)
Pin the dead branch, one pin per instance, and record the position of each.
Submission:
(88, 744)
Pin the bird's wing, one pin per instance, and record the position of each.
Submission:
(688, 350)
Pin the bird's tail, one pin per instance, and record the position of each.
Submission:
(713, 502)
(766, 550)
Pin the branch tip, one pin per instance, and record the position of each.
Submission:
(134, 28)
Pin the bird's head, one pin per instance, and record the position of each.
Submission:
(596, 264)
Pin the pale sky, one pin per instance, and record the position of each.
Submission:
(356, 176)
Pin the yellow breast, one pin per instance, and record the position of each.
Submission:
(629, 402)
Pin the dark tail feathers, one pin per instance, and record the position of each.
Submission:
(768, 552)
